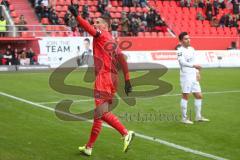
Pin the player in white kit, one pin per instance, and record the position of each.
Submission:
(189, 78)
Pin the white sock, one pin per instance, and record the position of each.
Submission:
(198, 107)
(184, 108)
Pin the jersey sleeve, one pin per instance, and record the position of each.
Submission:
(182, 60)
(88, 27)
(123, 63)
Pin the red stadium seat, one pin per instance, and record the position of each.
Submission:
(147, 34)
(61, 2)
(65, 8)
(61, 14)
(114, 3)
(234, 31)
(140, 34)
(132, 9)
(26, 34)
(119, 9)
(154, 34)
(97, 14)
(126, 9)
(14, 14)
(118, 15)
(45, 21)
(11, 7)
(58, 8)
(93, 9)
(113, 9)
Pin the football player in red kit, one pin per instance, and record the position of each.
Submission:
(105, 61)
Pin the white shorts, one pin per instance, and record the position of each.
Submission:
(190, 87)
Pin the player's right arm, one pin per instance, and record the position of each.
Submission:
(84, 23)
(184, 63)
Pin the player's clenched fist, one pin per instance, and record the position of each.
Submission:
(128, 87)
(73, 10)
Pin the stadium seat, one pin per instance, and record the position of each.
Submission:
(26, 34)
(118, 15)
(140, 34)
(14, 14)
(45, 21)
(119, 9)
(147, 34)
(113, 9)
(126, 9)
(154, 34)
(11, 7)
(114, 3)
(65, 8)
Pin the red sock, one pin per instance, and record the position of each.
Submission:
(96, 128)
(113, 121)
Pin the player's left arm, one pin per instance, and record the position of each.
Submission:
(198, 75)
(123, 63)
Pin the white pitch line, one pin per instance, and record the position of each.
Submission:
(142, 98)
(169, 144)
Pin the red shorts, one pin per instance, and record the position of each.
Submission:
(105, 88)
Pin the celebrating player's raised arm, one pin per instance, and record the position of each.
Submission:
(84, 23)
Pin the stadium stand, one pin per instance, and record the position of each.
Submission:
(154, 19)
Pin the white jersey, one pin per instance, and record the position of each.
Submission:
(186, 59)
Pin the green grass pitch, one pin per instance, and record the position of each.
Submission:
(28, 132)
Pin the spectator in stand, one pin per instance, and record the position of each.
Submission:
(235, 22)
(229, 5)
(8, 57)
(134, 27)
(105, 3)
(85, 12)
(23, 57)
(215, 7)
(144, 18)
(5, 3)
(142, 27)
(22, 24)
(100, 7)
(125, 24)
(9, 48)
(185, 3)
(236, 8)
(106, 14)
(39, 9)
(30, 55)
(222, 20)
(125, 3)
(3, 26)
(200, 16)
(160, 25)
(209, 16)
(16, 57)
(72, 23)
(143, 3)
(214, 22)
(151, 19)
(67, 17)
(222, 4)
(114, 27)
(201, 4)
(227, 21)
(53, 18)
(209, 7)
(45, 13)
(135, 3)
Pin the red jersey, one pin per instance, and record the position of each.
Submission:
(107, 56)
